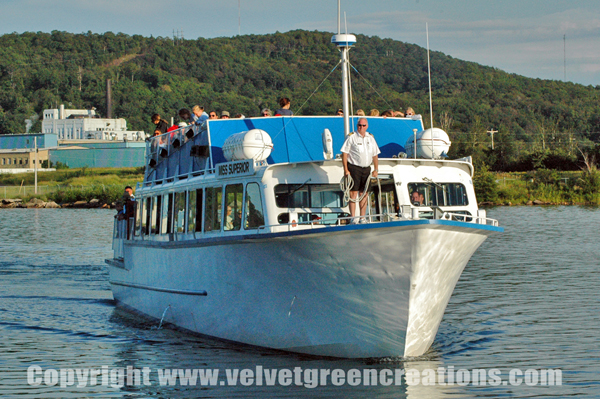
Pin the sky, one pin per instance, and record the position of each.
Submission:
(546, 39)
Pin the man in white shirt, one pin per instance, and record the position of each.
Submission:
(358, 152)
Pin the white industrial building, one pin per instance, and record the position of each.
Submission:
(84, 124)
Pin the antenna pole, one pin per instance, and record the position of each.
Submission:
(430, 100)
(565, 55)
(344, 42)
(339, 16)
(345, 97)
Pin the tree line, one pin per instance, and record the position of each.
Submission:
(537, 123)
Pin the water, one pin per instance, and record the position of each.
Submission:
(527, 300)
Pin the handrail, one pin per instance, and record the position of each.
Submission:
(385, 217)
(479, 219)
(321, 223)
(160, 148)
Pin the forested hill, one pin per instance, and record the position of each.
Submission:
(247, 73)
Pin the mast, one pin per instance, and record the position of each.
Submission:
(430, 99)
(344, 42)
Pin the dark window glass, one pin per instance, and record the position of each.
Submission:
(233, 207)
(309, 196)
(254, 210)
(191, 220)
(199, 198)
(155, 217)
(138, 217)
(167, 214)
(438, 194)
(212, 218)
(179, 212)
(146, 216)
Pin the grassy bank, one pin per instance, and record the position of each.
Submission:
(107, 184)
(543, 185)
(70, 185)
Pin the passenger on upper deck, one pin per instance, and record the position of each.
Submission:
(186, 115)
(213, 115)
(175, 127)
(339, 112)
(224, 114)
(374, 112)
(409, 112)
(266, 112)
(199, 116)
(387, 113)
(358, 152)
(398, 114)
(161, 125)
(360, 112)
(285, 104)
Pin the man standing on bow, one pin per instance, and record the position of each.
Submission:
(358, 152)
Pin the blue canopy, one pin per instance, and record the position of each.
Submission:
(299, 138)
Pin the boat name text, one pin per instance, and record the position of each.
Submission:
(236, 168)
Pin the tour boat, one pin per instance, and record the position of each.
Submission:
(242, 232)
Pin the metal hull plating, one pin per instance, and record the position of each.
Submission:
(352, 291)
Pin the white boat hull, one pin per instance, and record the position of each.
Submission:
(354, 292)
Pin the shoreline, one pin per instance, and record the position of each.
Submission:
(17, 203)
(36, 203)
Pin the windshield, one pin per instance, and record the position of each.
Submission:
(438, 194)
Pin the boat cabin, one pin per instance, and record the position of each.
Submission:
(197, 187)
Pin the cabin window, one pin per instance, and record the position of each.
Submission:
(309, 196)
(179, 212)
(192, 210)
(167, 214)
(438, 194)
(146, 216)
(155, 217)
(254, 209)
(199, 198)
(138, 217)
(233, 207)
(212, 218)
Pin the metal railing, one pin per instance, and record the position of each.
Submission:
(377, 218)
(461, 217)
(119, 237)
(320, 223)
(166, 157)
(122, 231)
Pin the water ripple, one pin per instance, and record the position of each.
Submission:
(527, 300)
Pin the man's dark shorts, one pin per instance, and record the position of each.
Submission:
(360, 176)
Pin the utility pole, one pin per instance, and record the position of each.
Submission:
(565, 55)
(35, 190)
(491, 133)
